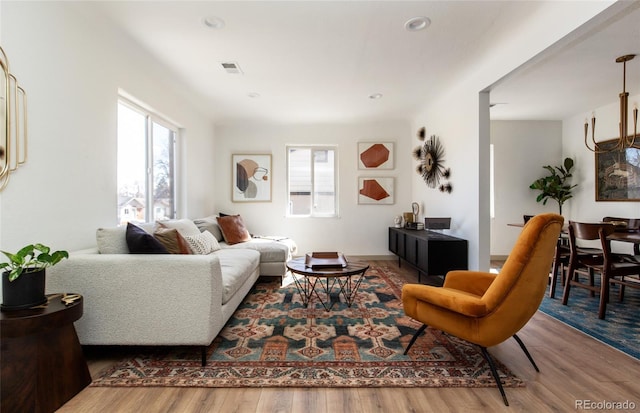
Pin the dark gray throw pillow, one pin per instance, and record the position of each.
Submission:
(140, 241)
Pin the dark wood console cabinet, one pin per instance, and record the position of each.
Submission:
(432, 253)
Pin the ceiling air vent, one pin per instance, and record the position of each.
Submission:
(232, 68)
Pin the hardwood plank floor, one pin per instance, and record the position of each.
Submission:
(572, 365)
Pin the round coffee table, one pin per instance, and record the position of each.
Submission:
(347, 279)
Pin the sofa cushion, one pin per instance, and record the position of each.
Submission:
(236, 265)
(209, 224)
(184, 226)
(140, 241)
(270, 250)
(112, 240)
(203, 243)
(233, 229)
(172, 240)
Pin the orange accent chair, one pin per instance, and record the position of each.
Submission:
(484, 308)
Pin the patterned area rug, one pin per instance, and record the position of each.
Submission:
(621, 327)
(272, 340)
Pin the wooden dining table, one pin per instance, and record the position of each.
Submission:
(622, 235)
(632, 236)
(626, 236)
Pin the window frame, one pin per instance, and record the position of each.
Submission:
(152, 118)
(313, 148)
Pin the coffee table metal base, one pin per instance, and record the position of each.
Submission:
(346, 285)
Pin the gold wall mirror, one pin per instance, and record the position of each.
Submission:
(13, 118)
(4, 114)
(12, 135)
(21, 122)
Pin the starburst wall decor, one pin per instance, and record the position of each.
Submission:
(431, 162)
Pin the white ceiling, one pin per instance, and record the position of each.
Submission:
(578, 73)
(320, 61)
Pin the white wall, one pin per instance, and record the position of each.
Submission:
(583, 206)
(71, 63)
(521, 148)
(456, 117)
(360, 229)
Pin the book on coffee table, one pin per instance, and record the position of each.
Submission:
(317, 260)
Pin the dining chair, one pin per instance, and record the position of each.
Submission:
(611, 268)
(630, 224)
(561, 260)
(560, 265)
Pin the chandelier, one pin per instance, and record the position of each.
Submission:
(625, 140)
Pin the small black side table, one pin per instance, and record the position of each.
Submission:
(42, 362)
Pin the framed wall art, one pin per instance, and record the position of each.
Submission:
(251, 176)
(376, 190)
(618, 174)
(375, 155)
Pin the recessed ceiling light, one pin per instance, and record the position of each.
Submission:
(417, 23)
(375, 96)
(213, 22)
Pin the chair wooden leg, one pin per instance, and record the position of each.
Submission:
(203, 354)
(567, 285)
(415, 336)
(621, 291)
(496, 377)
(524, 348)
(554, 272)
(604, 296)
(592, 283)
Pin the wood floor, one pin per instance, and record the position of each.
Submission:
(573, 368)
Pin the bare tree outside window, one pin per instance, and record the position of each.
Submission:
(146, 166)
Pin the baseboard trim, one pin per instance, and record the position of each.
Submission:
(372, 257)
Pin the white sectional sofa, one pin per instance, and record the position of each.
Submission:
(162, 299)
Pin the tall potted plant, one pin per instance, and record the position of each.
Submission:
(554, 186)
(23, 278)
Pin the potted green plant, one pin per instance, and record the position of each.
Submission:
(554, 186)
(23, 278)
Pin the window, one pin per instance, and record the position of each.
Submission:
(311, 181)
(146, 165)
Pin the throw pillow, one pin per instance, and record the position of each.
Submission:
(184, 226)
(209, 224)
(112, 240)
(172, 240)
(233, 229)
(140, 241)
(203, 243)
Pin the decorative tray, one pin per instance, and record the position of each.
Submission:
(317, 260)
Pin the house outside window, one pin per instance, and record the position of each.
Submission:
(312, 181)
(146, 165)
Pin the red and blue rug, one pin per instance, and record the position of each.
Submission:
(272, 340)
